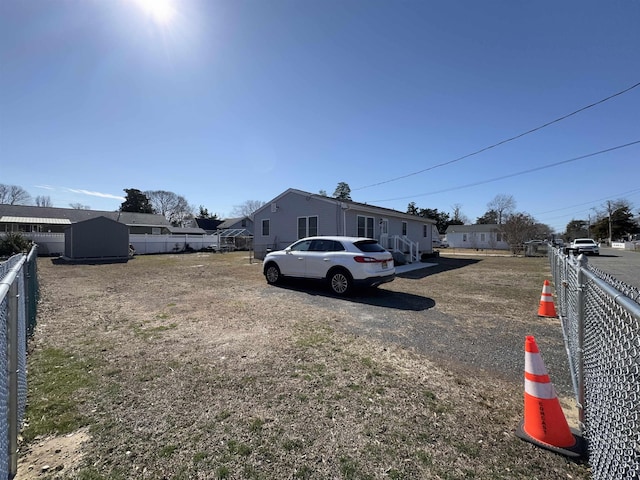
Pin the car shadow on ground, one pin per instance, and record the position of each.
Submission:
(444, 264)
(377, 297)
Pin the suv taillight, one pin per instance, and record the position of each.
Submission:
(360, 259)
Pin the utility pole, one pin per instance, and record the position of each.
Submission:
(609, 210)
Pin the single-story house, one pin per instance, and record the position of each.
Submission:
(479, 236)
(296, 214)
(148, 233)
(30, 219)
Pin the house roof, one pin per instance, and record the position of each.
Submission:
(480, 227)
(53, 215)
(230, 222)
(207, 223)
(350, 204)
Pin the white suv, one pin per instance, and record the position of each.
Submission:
(586, 246)
(344, 262)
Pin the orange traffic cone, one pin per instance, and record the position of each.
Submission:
(547, 308)
(544, 422)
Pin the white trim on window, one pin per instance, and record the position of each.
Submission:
(307, 226)
(364, 226)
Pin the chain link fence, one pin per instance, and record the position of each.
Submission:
(601, 326)
(18, 300)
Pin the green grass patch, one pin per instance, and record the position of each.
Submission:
(55, 377)
(147, 333)
(256, 424)
(168, 450)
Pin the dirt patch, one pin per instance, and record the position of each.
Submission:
(46, 457)
(204, 371)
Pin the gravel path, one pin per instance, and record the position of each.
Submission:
(466, 343)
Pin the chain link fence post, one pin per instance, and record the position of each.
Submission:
(581, 320)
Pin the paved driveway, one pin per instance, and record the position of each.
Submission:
(624, 265)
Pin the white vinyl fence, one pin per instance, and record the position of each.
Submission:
(53, 243)
(146, 244)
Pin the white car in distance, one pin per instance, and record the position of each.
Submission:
(587, 246)
(345, 263)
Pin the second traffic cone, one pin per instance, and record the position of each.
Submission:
(544, 422)
(547, 308)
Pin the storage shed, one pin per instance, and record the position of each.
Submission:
(98, 238)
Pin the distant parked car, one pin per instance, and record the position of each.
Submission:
(437, 243)
(344, 263)
(587, 246)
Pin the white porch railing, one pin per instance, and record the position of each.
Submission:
(401, 243)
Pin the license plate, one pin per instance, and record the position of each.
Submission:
(384, 264)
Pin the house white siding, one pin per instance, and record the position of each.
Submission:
(480, 237)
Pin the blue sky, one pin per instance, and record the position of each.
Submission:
(228, 101)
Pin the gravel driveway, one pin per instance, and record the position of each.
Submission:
(410, 313)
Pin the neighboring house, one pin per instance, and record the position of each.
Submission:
(30, 219)
(236, 233)
(297, 214)
(240, 223)
(480, 236)
(148, 233)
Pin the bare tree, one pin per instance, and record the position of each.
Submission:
(14, 195)
(247, 209)
(79, 206)
(44, 201)
(503, 205)
(172, 206)
(458, 217)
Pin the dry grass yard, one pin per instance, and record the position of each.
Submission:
(192, 367)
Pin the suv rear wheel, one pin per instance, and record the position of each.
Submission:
(340, 282)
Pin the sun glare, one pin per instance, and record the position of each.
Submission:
(161, 11)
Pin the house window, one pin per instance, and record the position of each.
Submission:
(365, 226)
(307, 226)
(404, 228)
(244, 223)
(464, 237)
(499, 237)
(265, 227)
(483, 237)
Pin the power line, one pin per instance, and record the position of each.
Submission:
(592, 201)
(503, 141)
(531, 170)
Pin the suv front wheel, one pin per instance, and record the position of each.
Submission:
(340, 282)
(272, 273)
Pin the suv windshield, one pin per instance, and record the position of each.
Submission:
(369, 246)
